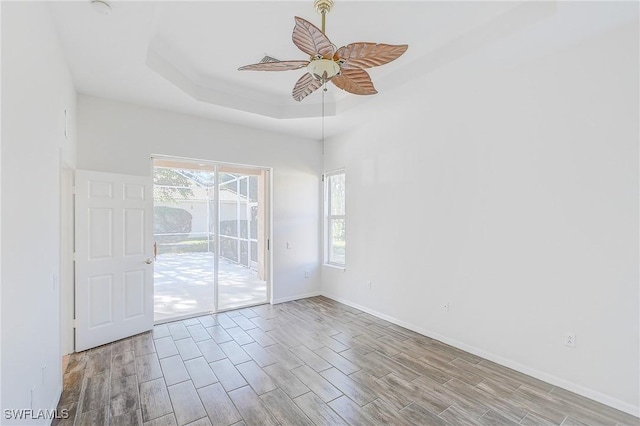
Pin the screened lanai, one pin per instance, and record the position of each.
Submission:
(187, 215)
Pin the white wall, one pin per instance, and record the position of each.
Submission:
(1, 406)
(36, 89)
(120, 138)
(521, 187)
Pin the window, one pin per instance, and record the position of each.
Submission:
(335, 218)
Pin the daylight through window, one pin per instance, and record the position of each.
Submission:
(335, 215)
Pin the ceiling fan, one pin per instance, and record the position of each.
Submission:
(345, 67)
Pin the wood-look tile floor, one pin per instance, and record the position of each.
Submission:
(312, 361)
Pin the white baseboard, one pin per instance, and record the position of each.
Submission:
(296, 297)
(549, 378)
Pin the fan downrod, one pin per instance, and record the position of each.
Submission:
(323, 7)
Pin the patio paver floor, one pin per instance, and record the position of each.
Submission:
(183, 285)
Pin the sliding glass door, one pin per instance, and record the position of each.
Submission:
(211, 237)
(242, 219)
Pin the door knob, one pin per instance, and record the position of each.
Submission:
(148, 261)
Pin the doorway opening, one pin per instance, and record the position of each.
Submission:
(211, 237)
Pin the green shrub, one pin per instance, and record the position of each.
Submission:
(171, 220)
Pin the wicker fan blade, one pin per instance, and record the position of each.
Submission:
(306, 85)
(275, 66)
(367, 55)
(356, 81)
(311, 40)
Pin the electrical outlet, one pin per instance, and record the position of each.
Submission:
(570, 339)
(445, 306)
(307, 273)
(289, 246)
(369, 285)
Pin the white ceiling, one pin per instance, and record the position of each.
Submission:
(183, 56)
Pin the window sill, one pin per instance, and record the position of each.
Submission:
(329, 265)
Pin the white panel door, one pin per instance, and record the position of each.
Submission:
(114, 267)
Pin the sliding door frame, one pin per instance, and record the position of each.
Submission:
(268, 223)
(216, 236)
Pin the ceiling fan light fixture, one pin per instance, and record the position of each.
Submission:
(344, 67)
(323, 67)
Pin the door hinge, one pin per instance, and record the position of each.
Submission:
(323, 178)
(73, 190)
(268, 244)
(74, 322)
(73, 256)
